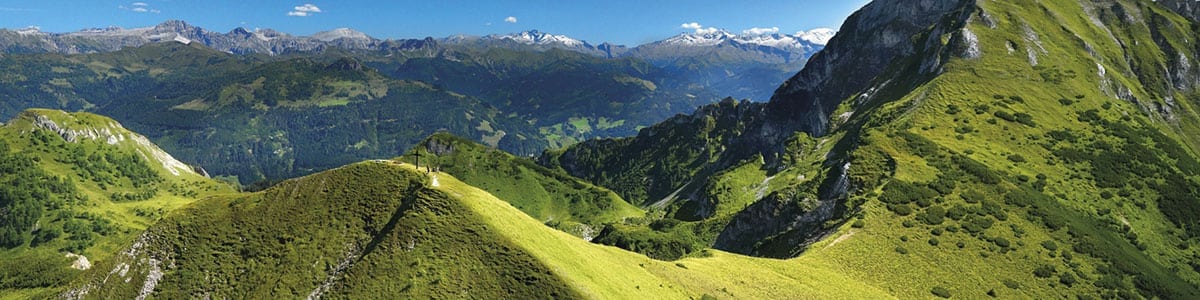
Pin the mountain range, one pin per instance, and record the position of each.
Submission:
(733, 65)
(934, 149)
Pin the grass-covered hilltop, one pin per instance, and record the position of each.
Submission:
(934, 149)
(77, 189)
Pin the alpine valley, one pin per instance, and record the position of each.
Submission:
(930, 148)
(265, 106)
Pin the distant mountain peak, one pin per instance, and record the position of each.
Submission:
(340, 33)
(174, 25)
(536, 37)
(819, 36)
(773, 39)
(706, 38)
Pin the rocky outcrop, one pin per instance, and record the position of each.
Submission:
(1186, 8)
(74, 130)
(868, 42)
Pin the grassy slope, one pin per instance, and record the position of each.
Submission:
(115, 222)
(1072, 193)
(1038, 213)
(608, 272)
(449, 240)
(557, 199)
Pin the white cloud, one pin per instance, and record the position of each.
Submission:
(305, 10)
(510, 19)
(139, 7)
(699, 29)
(309, 8)
(760, 31)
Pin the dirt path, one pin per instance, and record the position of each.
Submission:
(762, 188)
(842, 238)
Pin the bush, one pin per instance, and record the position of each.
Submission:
(1050, 245)
(900, 209)
(1002, 242)
(1067, 279)
(1045, 271)
(1012, 284)
(940, 292)
(1016, 158)
(934, 215)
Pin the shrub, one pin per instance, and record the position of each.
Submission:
(1045, 271)
(1067, 279)
(940, 292)
(1016, 158)
(1002, 242)
(1050, 245)
(858, 224)
(900, 209)
(933, 215)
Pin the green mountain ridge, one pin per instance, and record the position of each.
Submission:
(971, 149)
(560, 201)
(443, 238)
(81, 184)
(1043, 148)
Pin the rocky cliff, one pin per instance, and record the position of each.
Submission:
(870, 41)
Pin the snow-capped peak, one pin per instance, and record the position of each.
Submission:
(534, 37)
(819, 36)
(340, 33)
(31, 30)
(771, 40)
(705, 38)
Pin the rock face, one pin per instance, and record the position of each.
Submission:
(1186, 8)
(75, 130)
(869, 41)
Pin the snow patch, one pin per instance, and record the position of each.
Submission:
(182, 40)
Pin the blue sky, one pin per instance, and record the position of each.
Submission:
(628, 22)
